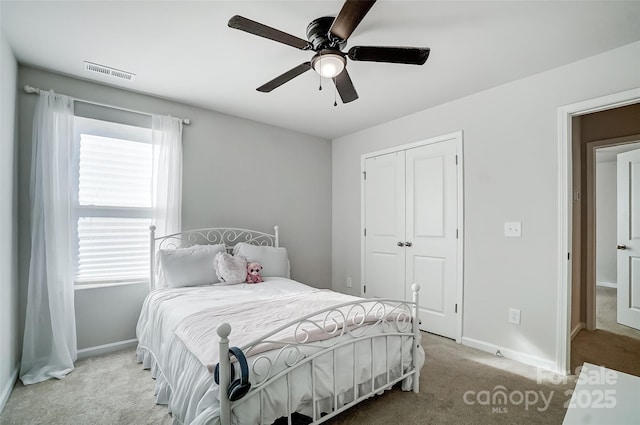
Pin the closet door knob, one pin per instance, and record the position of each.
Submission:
(400, 244)
(409, 244)
(621, 246)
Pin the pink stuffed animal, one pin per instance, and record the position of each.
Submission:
(253, 273)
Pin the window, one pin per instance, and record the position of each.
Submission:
(114, 202)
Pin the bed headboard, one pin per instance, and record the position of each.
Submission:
(228, 236)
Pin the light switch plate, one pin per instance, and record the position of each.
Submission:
(514, 316)
(513, 229)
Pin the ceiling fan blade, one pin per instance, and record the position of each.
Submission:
(408, 55)
(345, 87)
(281, 79)
(351, 14)
(252, 27)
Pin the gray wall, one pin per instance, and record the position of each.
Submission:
(9, 336)
(510, 174)
(606, 222)
(236, 173)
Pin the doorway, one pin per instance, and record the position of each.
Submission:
(595, 207)
(606, 291)
(600, 338)
(606, 121)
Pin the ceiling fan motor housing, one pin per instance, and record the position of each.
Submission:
(318, 35)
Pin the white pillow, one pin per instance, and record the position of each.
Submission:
(275, 261)
(230, 269)
(189, 266)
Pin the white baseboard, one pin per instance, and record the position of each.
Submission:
(106, 348)
(607, 284)
(521, 357)
(580, 326)
(8, 387)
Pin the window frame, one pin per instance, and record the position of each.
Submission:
(114, 130)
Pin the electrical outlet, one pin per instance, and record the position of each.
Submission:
(513, 229)
(349, 282)
(514, 316)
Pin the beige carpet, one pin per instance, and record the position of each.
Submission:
(104, 390)
(606, 312)
(459, 386)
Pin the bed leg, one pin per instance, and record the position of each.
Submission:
(224, 329)
(417, 336)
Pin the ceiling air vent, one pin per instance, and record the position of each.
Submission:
(108, 71)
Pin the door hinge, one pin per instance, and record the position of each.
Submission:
(364, 289)
(365, 232)
(456, 159)
(568, 256)
(456, 233)
(364, 173)
(456, 308)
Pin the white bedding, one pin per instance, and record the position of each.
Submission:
(184, 383)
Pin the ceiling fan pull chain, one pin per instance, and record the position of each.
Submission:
(335, 90)
(320, 76)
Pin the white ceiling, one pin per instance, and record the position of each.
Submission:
(184, 51)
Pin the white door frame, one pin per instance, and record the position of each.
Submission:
(459, 220)
(565, 188)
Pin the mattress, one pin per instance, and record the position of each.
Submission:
(186, 386)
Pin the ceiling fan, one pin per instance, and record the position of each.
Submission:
(327, 36)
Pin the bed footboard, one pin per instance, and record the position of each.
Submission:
(379, 335)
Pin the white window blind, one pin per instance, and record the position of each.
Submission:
(112, 249)
(114, 206)
(114, 172)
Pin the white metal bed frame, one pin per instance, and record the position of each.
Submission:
(345, 324)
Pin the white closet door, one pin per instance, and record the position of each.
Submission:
(431, 243)
(384, 223)
(629, 239)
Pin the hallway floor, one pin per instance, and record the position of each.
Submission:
(606, 309)
(611, 345)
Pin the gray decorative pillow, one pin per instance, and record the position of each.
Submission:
(230, 269)
(274, 261)
(189, 266)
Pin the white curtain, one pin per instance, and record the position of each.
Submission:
(49, 347)
(167, 176)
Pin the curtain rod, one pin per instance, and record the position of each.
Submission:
(35, 90)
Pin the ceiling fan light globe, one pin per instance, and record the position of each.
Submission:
(329, 65)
